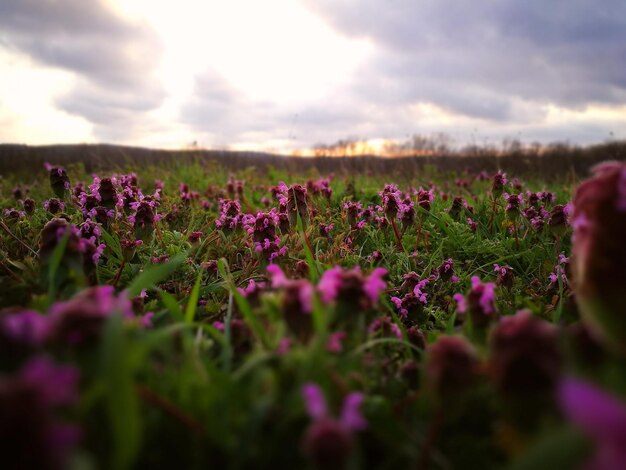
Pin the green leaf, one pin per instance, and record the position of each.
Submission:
(190, 310)
(120, 398)
(54, 263)
(112, 243)
(155, 274)
(242, 302)
(314, 269)
(171, 304)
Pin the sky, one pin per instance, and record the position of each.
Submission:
(289, 74)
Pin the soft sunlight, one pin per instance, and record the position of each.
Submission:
(286, 75)
(272, 50)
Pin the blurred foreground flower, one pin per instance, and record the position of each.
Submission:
(599, 251)
(329, 441)
(479, 302)
(31, 435)
(601, 416)
(352, 286)
(451, 366)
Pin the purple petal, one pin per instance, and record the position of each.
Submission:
(278, 276)
(28, 327)
(314, 400)
(58, 384)
(374, 284)
(351, 416)
(598, 413)
(329, 284)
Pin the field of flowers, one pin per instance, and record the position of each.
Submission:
(191, 318)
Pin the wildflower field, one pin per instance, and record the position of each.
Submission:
(189, 317)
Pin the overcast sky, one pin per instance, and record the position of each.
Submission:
(285, 74)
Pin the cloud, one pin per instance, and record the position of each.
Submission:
(477, 58)
(114, 60)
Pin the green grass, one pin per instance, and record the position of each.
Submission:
(191, 393)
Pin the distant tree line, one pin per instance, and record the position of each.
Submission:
(547, 161)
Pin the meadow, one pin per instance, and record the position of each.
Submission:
(197, 315)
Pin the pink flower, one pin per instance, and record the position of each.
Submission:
(278, 276)
(599, 253)
(601, 416)
(314, 400)
(352, 286)
(57, 384)
(374, 284)
(27, 327)
(146, 320)
(284, 345)
(329, 284)
(334, 343)
(479, 301)
(29, 400)
(417, 290)
(350, 417)
(461, 303)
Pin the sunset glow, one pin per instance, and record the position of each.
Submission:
(285, 75)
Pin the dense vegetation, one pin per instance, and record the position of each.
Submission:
(187, 317)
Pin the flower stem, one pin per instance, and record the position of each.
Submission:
(398, 237)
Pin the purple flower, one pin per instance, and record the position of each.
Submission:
(391, 198)
(525, 359)
(29, 205)
(479, 301)
(297, 205)
(146, 320)
(314, 400)
(451, 365)
(350, 417)
(374, 284)
(329, 284)
(278, 276)
(53, 205)
(417, 291)
(498, 183)
(334, 343)
(284, 345)
(194, 237)
(461, 302)
(296, 301)
(505, 275)
(59, 181)
(445, 271)
(352, 286)
(386, 326)
(599, 253)
(252, 290)
(57, 384)
(601, 416)
(78, 321)
(26, 327)
(425, 199)
(31, 435)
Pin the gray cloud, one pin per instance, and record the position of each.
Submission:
(113, 58)
(474, 57)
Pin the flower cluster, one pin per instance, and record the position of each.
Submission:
(352, 286)
(329, 441)
(230, 215)
(33, 433)
(479, 302)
